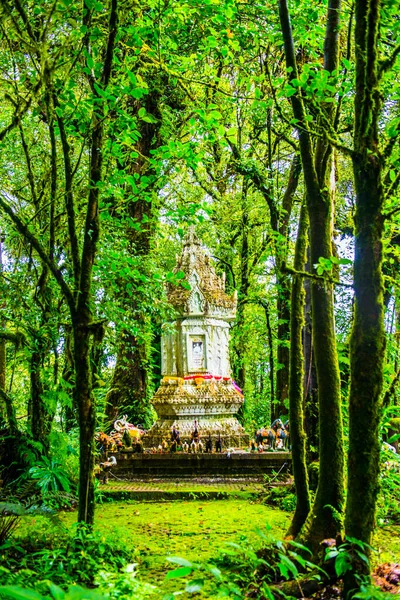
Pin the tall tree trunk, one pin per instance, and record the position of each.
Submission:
(3, 372)
(82, 319)
(3, 349)
(310, 375)
(239, 367)
(296, 382)
(367, 345)
(128, 389)
(282, 351)
(322, 521)
(284, 290)
(84, 399)
(271, 359)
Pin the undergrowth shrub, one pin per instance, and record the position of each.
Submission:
(283, 497)
(388, 506)
(245, 570)
(63, 557)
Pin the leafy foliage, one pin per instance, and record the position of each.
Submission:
(50, 476)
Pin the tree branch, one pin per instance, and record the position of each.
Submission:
(389, 62)
(29, 237)
(321, 278)
(16, 120)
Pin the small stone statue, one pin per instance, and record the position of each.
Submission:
(175, 435)
(218, 444)
(209, 443)
(195, 432)
(107, 466)
(138, 448)
(126, 439)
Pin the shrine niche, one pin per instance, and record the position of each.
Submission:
(197, 382)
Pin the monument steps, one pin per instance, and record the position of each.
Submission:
(226, 465)
(187, 490)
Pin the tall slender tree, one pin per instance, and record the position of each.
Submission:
(367, 347)
(329, 500)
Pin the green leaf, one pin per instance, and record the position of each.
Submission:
(215, 114)
(342, 563)
(195, 586)
(181, 572)
(178, 560)
(290, 91)
(346, 63)
(17, 592)
(300, 547)
(215, 571)
(287, 566)
(56, 592)
(141, 112)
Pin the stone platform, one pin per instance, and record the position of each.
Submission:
(212, 403)
(243, 465)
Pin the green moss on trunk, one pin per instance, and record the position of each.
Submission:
(87, 421)
(367, 351)
(322, 521)
(296, 381)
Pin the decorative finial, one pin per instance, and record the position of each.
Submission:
(191, 238)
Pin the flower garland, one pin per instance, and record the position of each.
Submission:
(202, 377)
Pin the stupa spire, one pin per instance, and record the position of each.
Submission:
(197, 382)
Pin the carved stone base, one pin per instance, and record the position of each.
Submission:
(213, 403)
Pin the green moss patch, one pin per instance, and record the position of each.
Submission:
(197, 530)
(194, 529)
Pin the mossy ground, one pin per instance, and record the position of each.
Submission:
(196, 530)
(193, 529)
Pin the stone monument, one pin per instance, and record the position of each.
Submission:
(197, 385)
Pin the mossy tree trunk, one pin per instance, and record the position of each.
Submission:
(310, 376)
(3, 349)
(367, 345)
(128, 390)
(284, 292)
(279, 223)
(239, 353)
(296, 381)
(78, 295)
(84, 329)
(322, 521)
(271, 359)
(3, 372)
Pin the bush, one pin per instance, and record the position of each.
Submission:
(64, 558)
(282, 496)
(388, 508)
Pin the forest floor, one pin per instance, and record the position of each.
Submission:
(196, 530)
